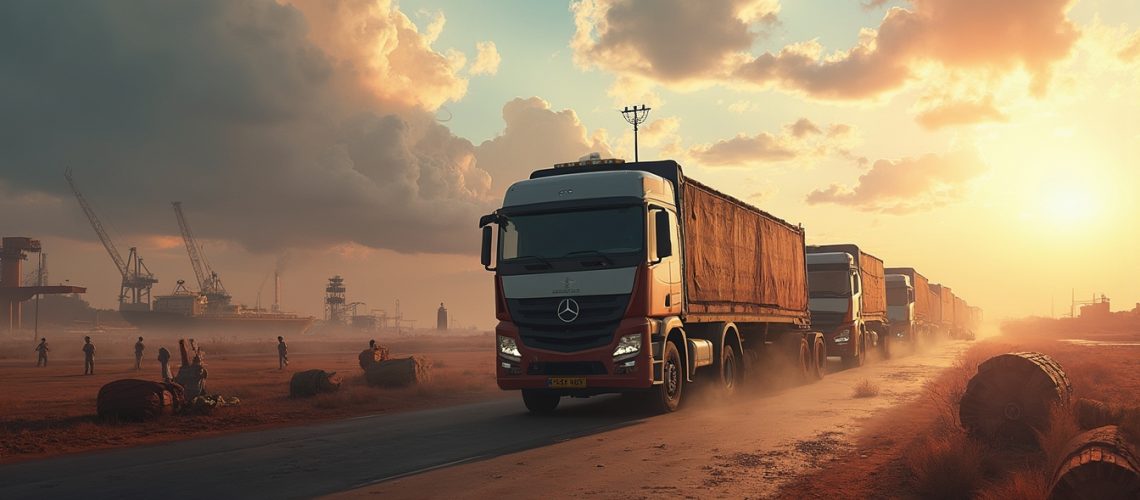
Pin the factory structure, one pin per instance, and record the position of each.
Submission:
(208, 309)
(14, 251)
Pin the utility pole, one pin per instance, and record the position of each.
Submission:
(635, 116)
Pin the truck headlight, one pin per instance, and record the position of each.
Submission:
(843, 336)
(628, 345)
(509, 349)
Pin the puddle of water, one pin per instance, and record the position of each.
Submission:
(1104, 343)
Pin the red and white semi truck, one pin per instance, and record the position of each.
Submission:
(616, 277)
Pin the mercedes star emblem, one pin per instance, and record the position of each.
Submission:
(568, 310)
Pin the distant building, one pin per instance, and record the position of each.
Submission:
(441, 318)
(1098, 309)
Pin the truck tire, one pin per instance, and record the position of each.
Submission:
(859, 358)
(731, 370)
(540, 402)
(819, 358)
(801, 358)
(667, 396)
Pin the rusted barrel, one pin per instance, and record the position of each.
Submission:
(1100, 464)
(1009, 399)
(137, 400)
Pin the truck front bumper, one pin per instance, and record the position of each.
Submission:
(595, 368)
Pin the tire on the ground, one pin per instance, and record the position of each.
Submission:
(819, 357)
(1099, 463)
(730, 371)
(1008, 401)
(540, 401)
(401, 372)
(666, 397)
(859, 344)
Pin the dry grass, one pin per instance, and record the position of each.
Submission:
(1021, 484)
(951, 467)
(866, 389)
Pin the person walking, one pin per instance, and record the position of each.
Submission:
(88, 356)
(164, 364)
(282, 353)
(42, 349)
(139, 348)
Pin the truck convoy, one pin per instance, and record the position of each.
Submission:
(633, 278)
(848, 300)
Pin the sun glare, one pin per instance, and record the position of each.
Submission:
(1068, 203)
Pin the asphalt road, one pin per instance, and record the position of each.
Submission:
(302, 462)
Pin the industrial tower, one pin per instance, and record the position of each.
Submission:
(334, 300)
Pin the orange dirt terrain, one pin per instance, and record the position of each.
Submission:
(919, 450)
(50, 411)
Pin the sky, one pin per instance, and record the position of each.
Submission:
(989, 145)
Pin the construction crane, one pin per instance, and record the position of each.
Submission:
(134, 293)
(209, 285)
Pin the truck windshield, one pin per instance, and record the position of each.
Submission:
(897, 295)
(581, 234)
(822, 284)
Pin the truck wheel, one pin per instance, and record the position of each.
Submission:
(860, 357)
(667, 397)
(539, 401)
(801, 358)
(731, 372)
(819, 358)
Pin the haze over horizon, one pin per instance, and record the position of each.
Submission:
(989, 146)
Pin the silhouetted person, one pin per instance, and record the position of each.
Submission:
(282, 353)
(42, 349)
(139, 348)
(88, 356)
(164, 364)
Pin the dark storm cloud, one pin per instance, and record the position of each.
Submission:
(269, 139)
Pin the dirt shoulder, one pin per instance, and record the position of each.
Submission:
(51, 411)
(743, 448)
(918, 450)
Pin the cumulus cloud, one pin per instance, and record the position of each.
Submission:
(487, 59)
(798, 139)
(668, 40)
(949, 113)
(907, 185)
(535, 136)
(1131, 50)
(300, 124)
(991, 38)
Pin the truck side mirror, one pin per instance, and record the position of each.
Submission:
(664, 241)
(486, 254)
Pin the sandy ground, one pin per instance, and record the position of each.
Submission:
(744, 448)
(51, 411)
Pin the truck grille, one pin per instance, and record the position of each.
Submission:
(540, 327)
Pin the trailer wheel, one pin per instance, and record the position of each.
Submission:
(539, 401)
(819, 358)
(731, 372)
(667, 397)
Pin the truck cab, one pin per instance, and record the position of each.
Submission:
(900, 307)
(846, 294)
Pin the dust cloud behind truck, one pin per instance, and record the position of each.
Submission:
(614, 277)
(848, 300)
(909, 304)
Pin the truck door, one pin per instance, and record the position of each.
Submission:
(664, 271)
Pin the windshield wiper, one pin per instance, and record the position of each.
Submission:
(535, 257)
(603, 256)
